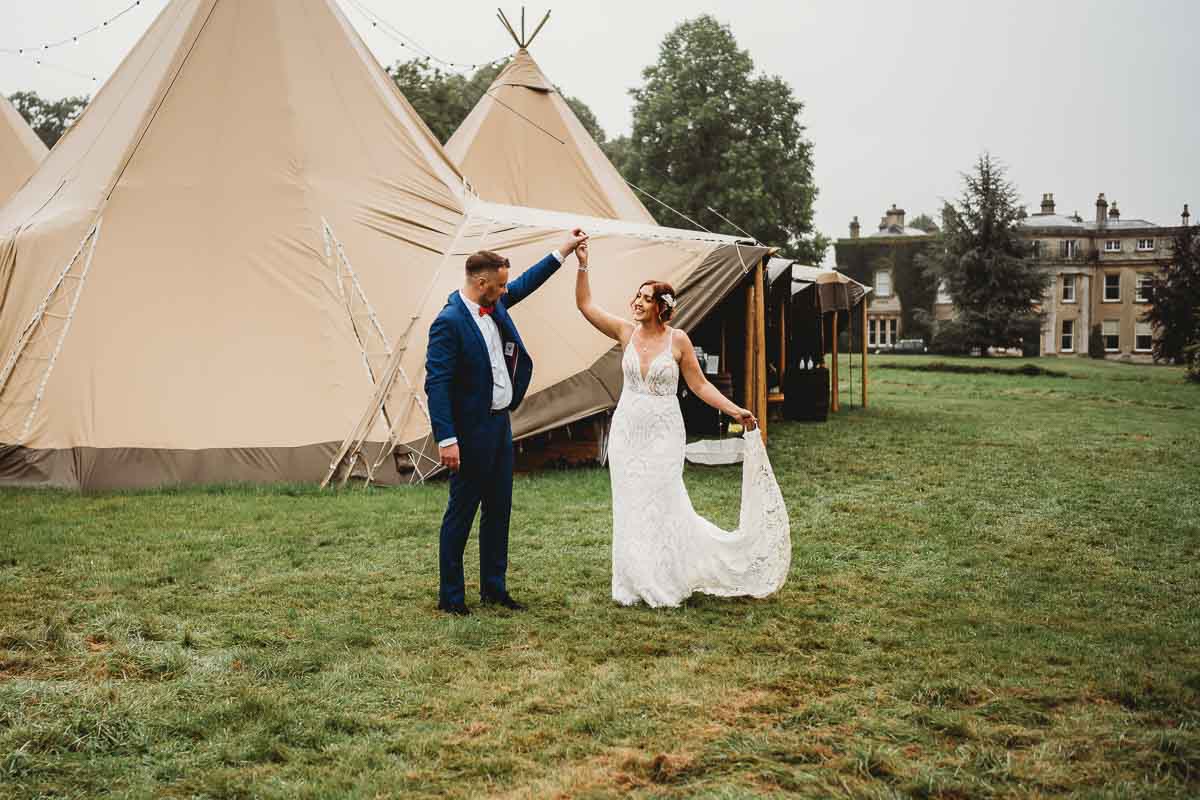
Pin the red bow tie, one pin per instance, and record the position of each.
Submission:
(486, 311)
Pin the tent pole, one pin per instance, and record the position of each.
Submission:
(864, 352)
(850, 352)
(783, 340)
(760, 344)
(833, 398)
(748, 363)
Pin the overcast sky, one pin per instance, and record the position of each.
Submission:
(1076, 96)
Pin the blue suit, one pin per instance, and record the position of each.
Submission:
(458, 384)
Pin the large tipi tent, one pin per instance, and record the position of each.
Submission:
(204, 278)
(20, 150)
(522, 145)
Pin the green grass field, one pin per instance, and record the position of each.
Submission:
(995, 592)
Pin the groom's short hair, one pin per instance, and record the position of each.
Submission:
(485, 261)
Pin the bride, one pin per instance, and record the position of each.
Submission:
(663, 551)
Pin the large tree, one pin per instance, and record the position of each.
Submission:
(710, 133)
(983, 262)
(443, 99)
(48, 118)
(1175, 303)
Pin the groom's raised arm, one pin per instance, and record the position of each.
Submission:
(539, 273)
(532, 279)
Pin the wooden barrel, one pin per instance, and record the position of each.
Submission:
(806, 394)
(699, 418)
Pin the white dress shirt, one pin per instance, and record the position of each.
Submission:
(502, 388)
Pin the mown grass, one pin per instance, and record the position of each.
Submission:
(995, 592)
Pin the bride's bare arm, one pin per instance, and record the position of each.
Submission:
(610, 325)
(689, 366)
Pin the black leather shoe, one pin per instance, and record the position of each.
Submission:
(457, 609)
(504, 599)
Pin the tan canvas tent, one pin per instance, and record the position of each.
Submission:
(522, 145)
(203, 280)
(20, 150)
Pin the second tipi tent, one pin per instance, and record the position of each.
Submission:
(523, 145)
(20, 150)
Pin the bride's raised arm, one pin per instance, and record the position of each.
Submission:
(610, 325)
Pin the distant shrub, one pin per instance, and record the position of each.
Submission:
(1031, 370)
(950, 339)
(1095, 343)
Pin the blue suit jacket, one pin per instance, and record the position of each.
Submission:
(458, 372)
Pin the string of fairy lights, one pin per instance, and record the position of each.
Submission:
(38, 52)
(398, 36)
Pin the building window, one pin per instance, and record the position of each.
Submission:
(1143, 338)
(871, 325)
(1035, 249)
(1112, 246)
(1067, 345)
(1111, 331)
(892, 324)
(1112, 287)
(1144, 245)
(1142, 293)
(1068, 284)
(1068, 248)
(943, 293)
(883, 283)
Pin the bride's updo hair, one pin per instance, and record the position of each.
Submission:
(665, 309)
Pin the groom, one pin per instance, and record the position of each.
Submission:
(476, 373)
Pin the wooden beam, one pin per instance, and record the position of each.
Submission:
(833, 375)
(864, 352)
(537, 30)
(748, 362)
(760, 344)
(783, 307)
(508, 26)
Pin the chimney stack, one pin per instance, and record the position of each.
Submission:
(1101, 210)
(1186, 216)
(1114, 213)
(1048, 203)
(895, 216)
(855, 228)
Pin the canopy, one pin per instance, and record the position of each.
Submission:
(205, 278)
(523, 145)
(836, 291)
(20, 150)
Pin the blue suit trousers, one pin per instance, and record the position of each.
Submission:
(485, 478)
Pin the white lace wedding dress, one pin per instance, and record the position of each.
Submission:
(663, 551)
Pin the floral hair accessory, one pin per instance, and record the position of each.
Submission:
(669, 300)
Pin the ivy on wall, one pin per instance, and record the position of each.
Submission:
(861, 258)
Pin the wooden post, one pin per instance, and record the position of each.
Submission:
(783, 338)
(864, 352)
(748, 377)
(760, 344)
(833, 375)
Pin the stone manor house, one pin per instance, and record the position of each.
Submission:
(1099, 270)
